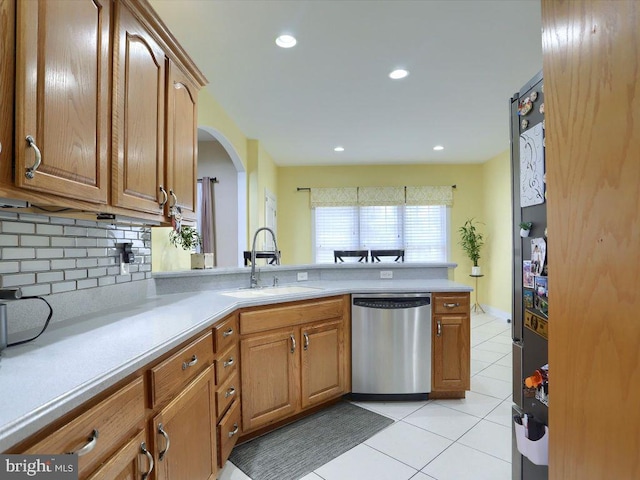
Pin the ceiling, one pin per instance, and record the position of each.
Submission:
(466, 58)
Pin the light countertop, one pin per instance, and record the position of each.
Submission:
(75, 360)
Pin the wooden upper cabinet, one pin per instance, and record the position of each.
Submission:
(7, 77)
(62, 97)
(138, 120)
(182, 142)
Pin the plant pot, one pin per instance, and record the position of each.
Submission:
(524, 233)
(476, 271)
(201, 260)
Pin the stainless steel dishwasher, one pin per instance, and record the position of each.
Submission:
(391, 345)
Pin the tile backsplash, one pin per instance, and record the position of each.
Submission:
(45, 255)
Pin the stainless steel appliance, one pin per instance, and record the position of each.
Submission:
(529, 322)
(391, 345)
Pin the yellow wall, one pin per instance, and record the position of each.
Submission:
(164, 256)
(262, 174)
(294, 212)
(496, 287)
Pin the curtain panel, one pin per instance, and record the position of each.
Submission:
(430, 195)
(381, 196)
(334, 197)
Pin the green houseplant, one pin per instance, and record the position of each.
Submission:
(471, 240)
(189, 239)
(525, 228)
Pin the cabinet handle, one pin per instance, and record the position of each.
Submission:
(193, 361)
(92, 441)
(293, 344)
(31, 171)
(143, 449)
(306, 341)
(164, 194)
(227, 333)
(234, 431)
(230, 391)
(175, 199)
(439, 328)
(229, 362)
(166, 440)
(451, 305)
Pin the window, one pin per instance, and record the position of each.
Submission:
(422, 230)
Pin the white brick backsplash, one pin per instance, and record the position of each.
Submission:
(18, 280)
(63, 287)
(34, 265)
(48, 277)
(88, 283)
(47, 255)
(18, 253)
(75, 274)
(9, 240)
(33, 241)
(63, 264)
(17, 227)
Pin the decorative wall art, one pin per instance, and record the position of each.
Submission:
(532, 166)
(538, 255)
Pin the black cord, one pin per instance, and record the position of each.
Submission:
(46, 323)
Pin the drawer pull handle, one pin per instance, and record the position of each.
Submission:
(234, 431)
(293, 344)
(193, 361)
(164, 194)
(228, 363)
(229, 392)
(227, 333)
(31, 171)
(439, 330)
(306, 341)
(143, 449)
(167, 442)
(451, 305)
(92, 441)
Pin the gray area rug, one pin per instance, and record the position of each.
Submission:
(293, 451)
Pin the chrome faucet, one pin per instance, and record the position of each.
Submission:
(254, 281)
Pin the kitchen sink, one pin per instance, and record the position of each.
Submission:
(268, 291)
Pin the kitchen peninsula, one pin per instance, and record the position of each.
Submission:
(86, 361)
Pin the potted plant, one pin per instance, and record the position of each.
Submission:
(471, 241)
(525, 228)
(189, 239)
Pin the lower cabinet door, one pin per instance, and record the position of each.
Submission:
(451, 353)
(132, 462)
(185, 433)
(270, 372)
(323, 366)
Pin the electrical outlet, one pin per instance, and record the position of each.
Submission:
(386, 274)
(124, 268)
(302, 276)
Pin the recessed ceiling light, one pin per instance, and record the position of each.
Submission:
(398, 74)
(338, 149)
(286, 41)
(438, 148)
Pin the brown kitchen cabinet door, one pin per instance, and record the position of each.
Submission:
(270, 372)
(62, 110)
(132, 462)
(451, 353)
(323, 365)
(184, 433)
(138, 117)
(182, 142)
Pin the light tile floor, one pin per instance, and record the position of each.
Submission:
(464, 439)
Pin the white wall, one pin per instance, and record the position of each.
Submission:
(214, 161)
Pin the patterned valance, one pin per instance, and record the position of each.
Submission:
(334, 197)
(439, 195)
(380, 196)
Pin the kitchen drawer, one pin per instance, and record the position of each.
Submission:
(168, 377)
(228, 433)
(226, 363)
(227, 393)
(99, 430)
(450, 302)
(263, 319)
(226, 333)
